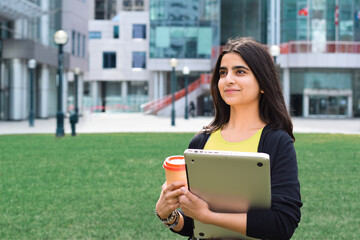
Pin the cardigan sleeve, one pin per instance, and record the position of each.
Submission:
(281, 220)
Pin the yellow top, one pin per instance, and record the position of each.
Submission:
(217, 142)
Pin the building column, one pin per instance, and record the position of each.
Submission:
(44, 24)
(16, 90)
(306, 104)
(278, 22)
(94, 94)
(25, 89)
(156, 86)
(80, 93)
(286, 87)
(124, 91)
(161, 84)
(272, 22)
(44, 92)
(65, 92)
(350, 104)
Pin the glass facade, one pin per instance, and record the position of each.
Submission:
(316, 22)
(114, 101)
(326, 92)
(183, 28)
(243, 18)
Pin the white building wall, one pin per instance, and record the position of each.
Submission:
(44, 79)
(124, 46)
(15, 90)
(25, 90)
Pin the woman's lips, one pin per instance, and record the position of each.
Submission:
(231, 90)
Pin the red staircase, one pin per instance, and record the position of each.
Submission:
(153, 107)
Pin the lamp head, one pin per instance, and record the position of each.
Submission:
(32, 63)
(60, 37)
(186, 70)
(275, 50)
(77, 71)
(173, 62)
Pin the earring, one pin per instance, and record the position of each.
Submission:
(261, 91)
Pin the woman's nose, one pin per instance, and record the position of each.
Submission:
(229, 79)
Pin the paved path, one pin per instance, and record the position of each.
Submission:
(137, 122)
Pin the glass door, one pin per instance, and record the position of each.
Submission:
(328, 105)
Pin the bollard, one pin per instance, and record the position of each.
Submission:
(73, 121)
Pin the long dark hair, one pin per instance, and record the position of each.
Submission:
(272, 107)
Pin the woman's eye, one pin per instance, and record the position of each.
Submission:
(222, 73)
(240, 72)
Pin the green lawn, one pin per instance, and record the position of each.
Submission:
(105, 186)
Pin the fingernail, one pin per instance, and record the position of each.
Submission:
(183, 189)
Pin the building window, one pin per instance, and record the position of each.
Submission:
(94, 35)
(133, 5)
(116, 31)
(78, 44)
(105, 9)
(73, 38)
(109, 59)
(84, 46)
(139, 60)
(139, 31)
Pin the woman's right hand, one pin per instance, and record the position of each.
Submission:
(169, 198)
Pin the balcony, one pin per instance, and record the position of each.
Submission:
(310, 54)
(12, 10)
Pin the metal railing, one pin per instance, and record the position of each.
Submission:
(294, 47)
(319, 47)
(155, 106)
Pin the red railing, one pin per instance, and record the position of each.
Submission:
(308, 47)
(157, 105)
(319, 47)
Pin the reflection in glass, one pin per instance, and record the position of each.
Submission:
(328, 105)
(183, 28)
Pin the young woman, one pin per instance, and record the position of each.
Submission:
(250, 116)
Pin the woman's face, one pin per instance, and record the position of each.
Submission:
(237, 84)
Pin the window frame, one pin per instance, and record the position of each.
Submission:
(109, 60)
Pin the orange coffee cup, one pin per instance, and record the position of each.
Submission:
(175, 169)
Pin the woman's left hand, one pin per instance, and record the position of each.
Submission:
(193, 206)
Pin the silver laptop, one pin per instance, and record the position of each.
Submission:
(229, 182)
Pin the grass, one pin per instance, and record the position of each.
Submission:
(105, 186)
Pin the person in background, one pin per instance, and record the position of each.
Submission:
(250, 116)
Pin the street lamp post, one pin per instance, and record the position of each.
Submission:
(60, 38)
(186, 72)
(31, 66)
(173, 64)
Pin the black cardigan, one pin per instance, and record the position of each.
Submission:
(281, 220)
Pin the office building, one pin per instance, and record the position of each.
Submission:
(27, 28)
(319, 61)
(118, 77)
